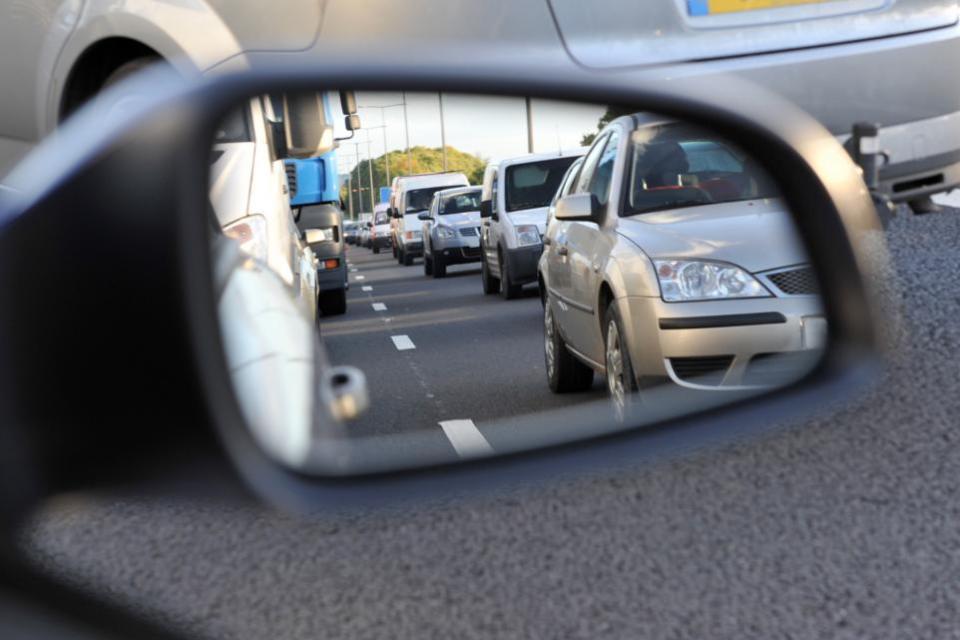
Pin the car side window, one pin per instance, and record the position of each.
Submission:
(493, 192)
(589, 164)
(603, 173)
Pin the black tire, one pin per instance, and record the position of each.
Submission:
(508, 290)
(332, 303)
(439, 267)
(376, 249)
(427, 265)
(407, 259)
(624, 373)
(399, 256)
(491, 285)
(393, 247)
(565, 374)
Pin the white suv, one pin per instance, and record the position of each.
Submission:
(412, 196)
(516, 195)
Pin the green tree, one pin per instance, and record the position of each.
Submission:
(422, 160)
(612, 113)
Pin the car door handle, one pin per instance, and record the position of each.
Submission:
(562, 250)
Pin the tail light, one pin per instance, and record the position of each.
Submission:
(329, 263)
(251, 234)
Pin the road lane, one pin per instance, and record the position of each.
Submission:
(457, 354)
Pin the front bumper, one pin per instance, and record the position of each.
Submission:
(412, 248)
(522, 263)
(723, 345)
(457, 250)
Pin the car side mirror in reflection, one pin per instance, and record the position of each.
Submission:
(581, 207)
(486, 209)
(424, 215)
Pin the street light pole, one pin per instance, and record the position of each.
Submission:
(370, 170)
(406, 129)
(529, 125)
(443, 133)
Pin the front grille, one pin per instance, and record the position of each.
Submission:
(469, 232)
(702, 370)
(470, 252)
(796, 282)
(778, 369)
(291, 179)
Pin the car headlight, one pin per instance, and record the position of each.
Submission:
(527, 234)
(446, 233)
(251, 234)
(685, 280)
(411, 235)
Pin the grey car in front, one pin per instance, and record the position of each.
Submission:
(670, 258)
(451, 230)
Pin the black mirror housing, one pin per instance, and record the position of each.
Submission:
(486, 209)
(351, 122)
(424, 215)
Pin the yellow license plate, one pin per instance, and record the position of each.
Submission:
(714, 7)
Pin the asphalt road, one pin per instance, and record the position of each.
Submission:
(842, 526)
(463, 355)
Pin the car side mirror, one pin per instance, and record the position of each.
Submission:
(370, 225)
(583, 207)
(486, 209)
(424, 215)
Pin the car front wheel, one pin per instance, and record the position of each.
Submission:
(490, 284)
(621, 381)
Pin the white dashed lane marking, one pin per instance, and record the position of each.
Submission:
(379, 306)
(403, 343)
(359, 277)
(466, 438)
(366, 288)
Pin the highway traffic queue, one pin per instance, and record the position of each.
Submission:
(662, 253)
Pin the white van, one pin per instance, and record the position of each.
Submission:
(513, 206)
(412, 196)
(250, 197)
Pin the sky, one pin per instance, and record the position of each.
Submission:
(492, 127)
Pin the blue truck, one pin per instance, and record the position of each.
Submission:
(315, 189)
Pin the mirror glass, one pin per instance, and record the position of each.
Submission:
(634, 268)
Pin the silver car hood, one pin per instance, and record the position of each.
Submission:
(537, 216)
(754, 234)
(467, 219)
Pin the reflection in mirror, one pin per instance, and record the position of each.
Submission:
(628, 268)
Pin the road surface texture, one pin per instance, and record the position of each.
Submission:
(842, 526)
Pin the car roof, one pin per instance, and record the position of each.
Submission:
(537, 157)
(458, 190)
(451, 178)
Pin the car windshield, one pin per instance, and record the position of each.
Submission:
(461, 203)
(533, 184)
(382, 218)
(674, 166)
(419, 199)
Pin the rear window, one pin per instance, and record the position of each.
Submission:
(533, 185)
(674, 166)
(461, 203)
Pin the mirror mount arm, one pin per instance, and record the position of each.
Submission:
(352, 133)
